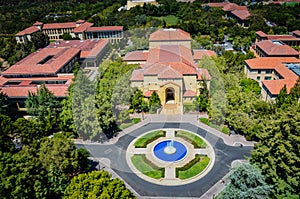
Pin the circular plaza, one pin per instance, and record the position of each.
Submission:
(170, 157)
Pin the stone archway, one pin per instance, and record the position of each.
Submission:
(170, 96)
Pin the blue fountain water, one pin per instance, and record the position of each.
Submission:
(170, 151)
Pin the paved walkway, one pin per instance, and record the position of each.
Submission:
(233, 140)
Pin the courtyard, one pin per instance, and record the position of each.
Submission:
(222, 151)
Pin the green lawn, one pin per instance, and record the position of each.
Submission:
(193, 168)
(133, 122)
(191, 138)
(146, 167)
(143, 141)
(169, 19)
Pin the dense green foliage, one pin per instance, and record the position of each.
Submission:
(6, 129)
(41, 171)
(96, 184)
(3, 102)
(247, 182)
(154, 102)
(203, 97)
(39, 40)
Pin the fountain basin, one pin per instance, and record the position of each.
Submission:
(170, 152)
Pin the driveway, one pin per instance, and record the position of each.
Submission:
(116, 153)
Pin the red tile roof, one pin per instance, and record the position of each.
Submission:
(89, 48)
(82, 27)
(27, 84)
(261, 34)
(37, 23)
(169, 61)
(149, 93)
(274, 86)
(241, 14)
(80, 21)
(273, 49)
(30, 64)
(189, 93)
(277, 64)
(28, 31)
(104, 28)
(59, 25)
(221, 4)
(199, 54)
(170, 35)
(297, 33)
(232, 6)
(269, 62)
(136, 56)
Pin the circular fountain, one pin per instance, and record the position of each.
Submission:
(170, 151)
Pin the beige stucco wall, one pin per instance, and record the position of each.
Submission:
(190, 82)
(131, 4)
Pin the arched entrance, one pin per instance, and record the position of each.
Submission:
(170, 96)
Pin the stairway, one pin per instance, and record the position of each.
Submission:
(171, 109)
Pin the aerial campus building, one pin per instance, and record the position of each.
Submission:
(79, 29)
(169, 69)
(51, 66)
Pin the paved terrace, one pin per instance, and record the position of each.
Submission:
(112, 155)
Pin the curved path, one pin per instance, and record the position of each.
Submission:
(116, 153)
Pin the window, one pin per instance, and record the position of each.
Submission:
(258, 78)
(268, 71)
(258, 71)
(268, 78)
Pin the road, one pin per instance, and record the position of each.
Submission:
(116, 153)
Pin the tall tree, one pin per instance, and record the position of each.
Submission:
(137, 101)
(154, 102)
(60, 152)
(247, 182)
(39, 40)
(97, 184)
(6, 133)
(42, 103)
(203, 98)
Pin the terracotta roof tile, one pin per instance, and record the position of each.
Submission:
(296, 33)
(37, 23)
(137, 75)
(149, 93)
(104, 28)
(232, 6)
(269, 62)
(189, 93)
(28, 31)
(274, 86)
(273, 49)
(136, 56)
(59, 25)
(82, 27)
(241, 14)
(199, 54)
(221, 4)
(261, 34)
(170, 35)
(30, 64)
(169, 73)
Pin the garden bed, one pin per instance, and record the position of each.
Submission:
(143, 141)
(191, 138)
(142, 164)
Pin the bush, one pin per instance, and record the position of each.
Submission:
(136, 120)
(193, 168)
(143, 141)
(205, 121)
(146, 167)
(189, 106)
(225, 130)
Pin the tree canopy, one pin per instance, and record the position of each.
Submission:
(96, 184)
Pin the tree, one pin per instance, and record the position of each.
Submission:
(60, 152)
(203, 97)
(6, 130)
(250, 85)
(154, 102)
(39, 40)
(96, 184)
(28, 130)
(137, 101)
(282, 98)
(246, 182)
(277, 153)
(42, 103)
(3, 102)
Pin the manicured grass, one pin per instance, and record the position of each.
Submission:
(169, 19)
(143, 141)
(191, 138)
(222, 127)
(146, 167)
(193, 168)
